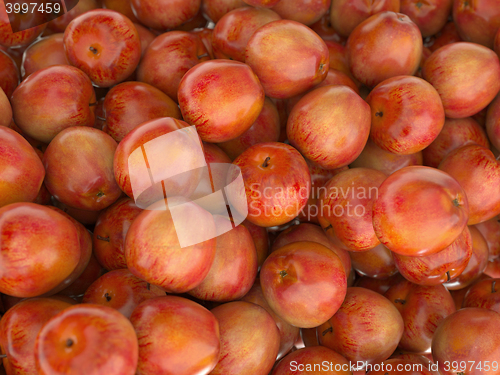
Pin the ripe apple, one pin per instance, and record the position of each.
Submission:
(261, 240)
(493, 122)
(215, 9)
(164, 14)
(83, 216)
(447, 35)
(43, 53)
(379, 286)
(429, 16)
(24, 28)
(9, 74)
(483, 294)
(59, 24)
(303, 11)
(90, 274)
(490, 229)
(108, 54)
(122, 6)
(53, 99)
(419, 211)
(146, 37)
(376, 263)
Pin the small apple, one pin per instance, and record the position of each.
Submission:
(43, 53)
(164, 14)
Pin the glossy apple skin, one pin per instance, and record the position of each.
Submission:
(153, 251)
(19, 328)
(234, 29)
(385, 45)
(449, 343)
(90, 274)
(43, 53)
(129, 104)
(59, 24)
(104, 44)
(450, 70)
(304, 282)
(246, 349)
(377, 262)
(314, 233)
(329, 126)
(407, 114)
(346, 205)
(493, 268)
(455, 134)
(122, 6)
(261, 241)
(22, 170)
(430, 17)
(493, 122)
(146, 37)
(31, 24)
(307, 360)
(9, 74)
(288, 333)
(215, 9)
(303, 11)
(83, 216)
(40, 248)
(419, 200)
(52, 110)
(490, 229)
(164, 14)
(374, 157)
(236, 99)
(476, 265)
(422, 309)
(379, 286)
(472, 166)
(88, 331)
(367, 327)
(110, 231)
(277, 183)
(265, 129)
(477, 22)
(483, 294)
(439, 267)
(274, 45)
(92, 186)
(447, 35)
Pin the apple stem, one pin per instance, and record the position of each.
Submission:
(201, 56)
(103, 238)
(93, 50)
(107, 296)
(92, 104)
(448, 275)
(493, 286)
(266, 162)
(399, 300)
(283, 273)
(149, 286)
(3, 355)
(379, 114)
(456, 202)
(69, 343)
(329, 329)
(100, 194)
(100, 118)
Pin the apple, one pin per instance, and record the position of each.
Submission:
(324, 29)
(378, 285)
(75, 9)
(261, 240)
(271, 49)
(483, 294)
(490, 229)
(108, 54)
(146, 37)
(53, 99)
(43, 53)
(493, 122)
(78, 339)
(450, 70)
(164, 14)
(197, 22)
(9, 74)
(304, 283)
(493, 268)
(451, 349)
(90, 274)
(329, 126)
(407, 114)
(419, 211)
(376, 263)
(367, 327)
(429, 16)
(447, 35)
(246, 349)
(83, 216)
(385, 45)
(122, 6)
(24, 28)
(214, 10)
(93, 151)
(303, 11)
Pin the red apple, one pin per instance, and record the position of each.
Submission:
(303, 11)
(122, 6)
(377, 262)
(83, 216)
(419, 211)
(325, 30)
(9, 74)
(378, 285)
(215, 9)
(43, 53)
(483, 294)
(146, 37)
(447, 35)
(493, 122)
(18, 29)
(261, 240)
(109, 53)
(90, 274)
(59, 24)
(429, 16)
(490, 229)
(164, 14)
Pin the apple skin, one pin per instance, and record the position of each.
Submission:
(483, 294)
(430, 17)
(122, 6)
(83, 216)
(93, 151)
(274, 45)
(407, 114)
(475, 166)
(47, 249)
(164, 14)
(19, 327)
(329, 126)
(59, 24)
(215, 9)
(493, 122)
(440, 267)
(379, 286)
(374, 157)
(277, 183)
(42, 113)
(129, 104)
(146, 37)
(43, 53)
(422, 309)
(9, 74)
(307, 360)
(476, 265)
(419, 200)
(246, 349)
(234, 267)
(97, 339)
(493, 268)
(303, 11)
(455, 133)
(477, 22)
(450, 344)
(450, 69)
(367, 327)
(324, 29)
(261, 241)
(234, 29)
(265, 129)
(304, 283)
(376, 263)
(22, 170)
(104, 44)
(385, 45)
(490, 229)
(314, 233)
(447, 35)
(110, 231)
(238, 98)
(353, 224)
(168, 57)
(31, 25)
(90, 274)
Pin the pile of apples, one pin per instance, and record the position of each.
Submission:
(367, 136)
